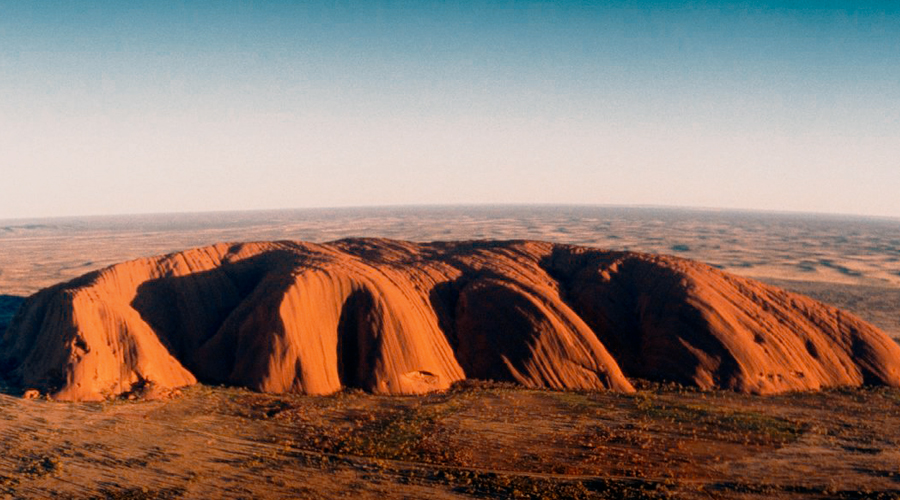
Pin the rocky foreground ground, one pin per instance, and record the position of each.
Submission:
(489, 441)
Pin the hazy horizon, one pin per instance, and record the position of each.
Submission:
(461, 207)
(852, 259)
(138, 108)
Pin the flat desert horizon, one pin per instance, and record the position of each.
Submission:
(852, 262)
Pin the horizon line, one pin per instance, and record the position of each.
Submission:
(413, 206)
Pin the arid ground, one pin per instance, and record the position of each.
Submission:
(478, 440)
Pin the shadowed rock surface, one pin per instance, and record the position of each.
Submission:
(9, 304)
(394, 317)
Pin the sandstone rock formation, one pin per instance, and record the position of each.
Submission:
(395, 317)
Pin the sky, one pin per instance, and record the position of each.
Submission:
(110, 107)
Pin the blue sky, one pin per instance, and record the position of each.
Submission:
(134, 107)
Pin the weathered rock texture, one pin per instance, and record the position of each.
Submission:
(394, 317)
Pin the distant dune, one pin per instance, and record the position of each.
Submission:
(394, 317)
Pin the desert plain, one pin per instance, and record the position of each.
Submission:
(478, 439)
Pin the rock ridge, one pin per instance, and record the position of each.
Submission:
(396, 317)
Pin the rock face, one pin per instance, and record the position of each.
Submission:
(394, 317)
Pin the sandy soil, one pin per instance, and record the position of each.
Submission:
(482, 441)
